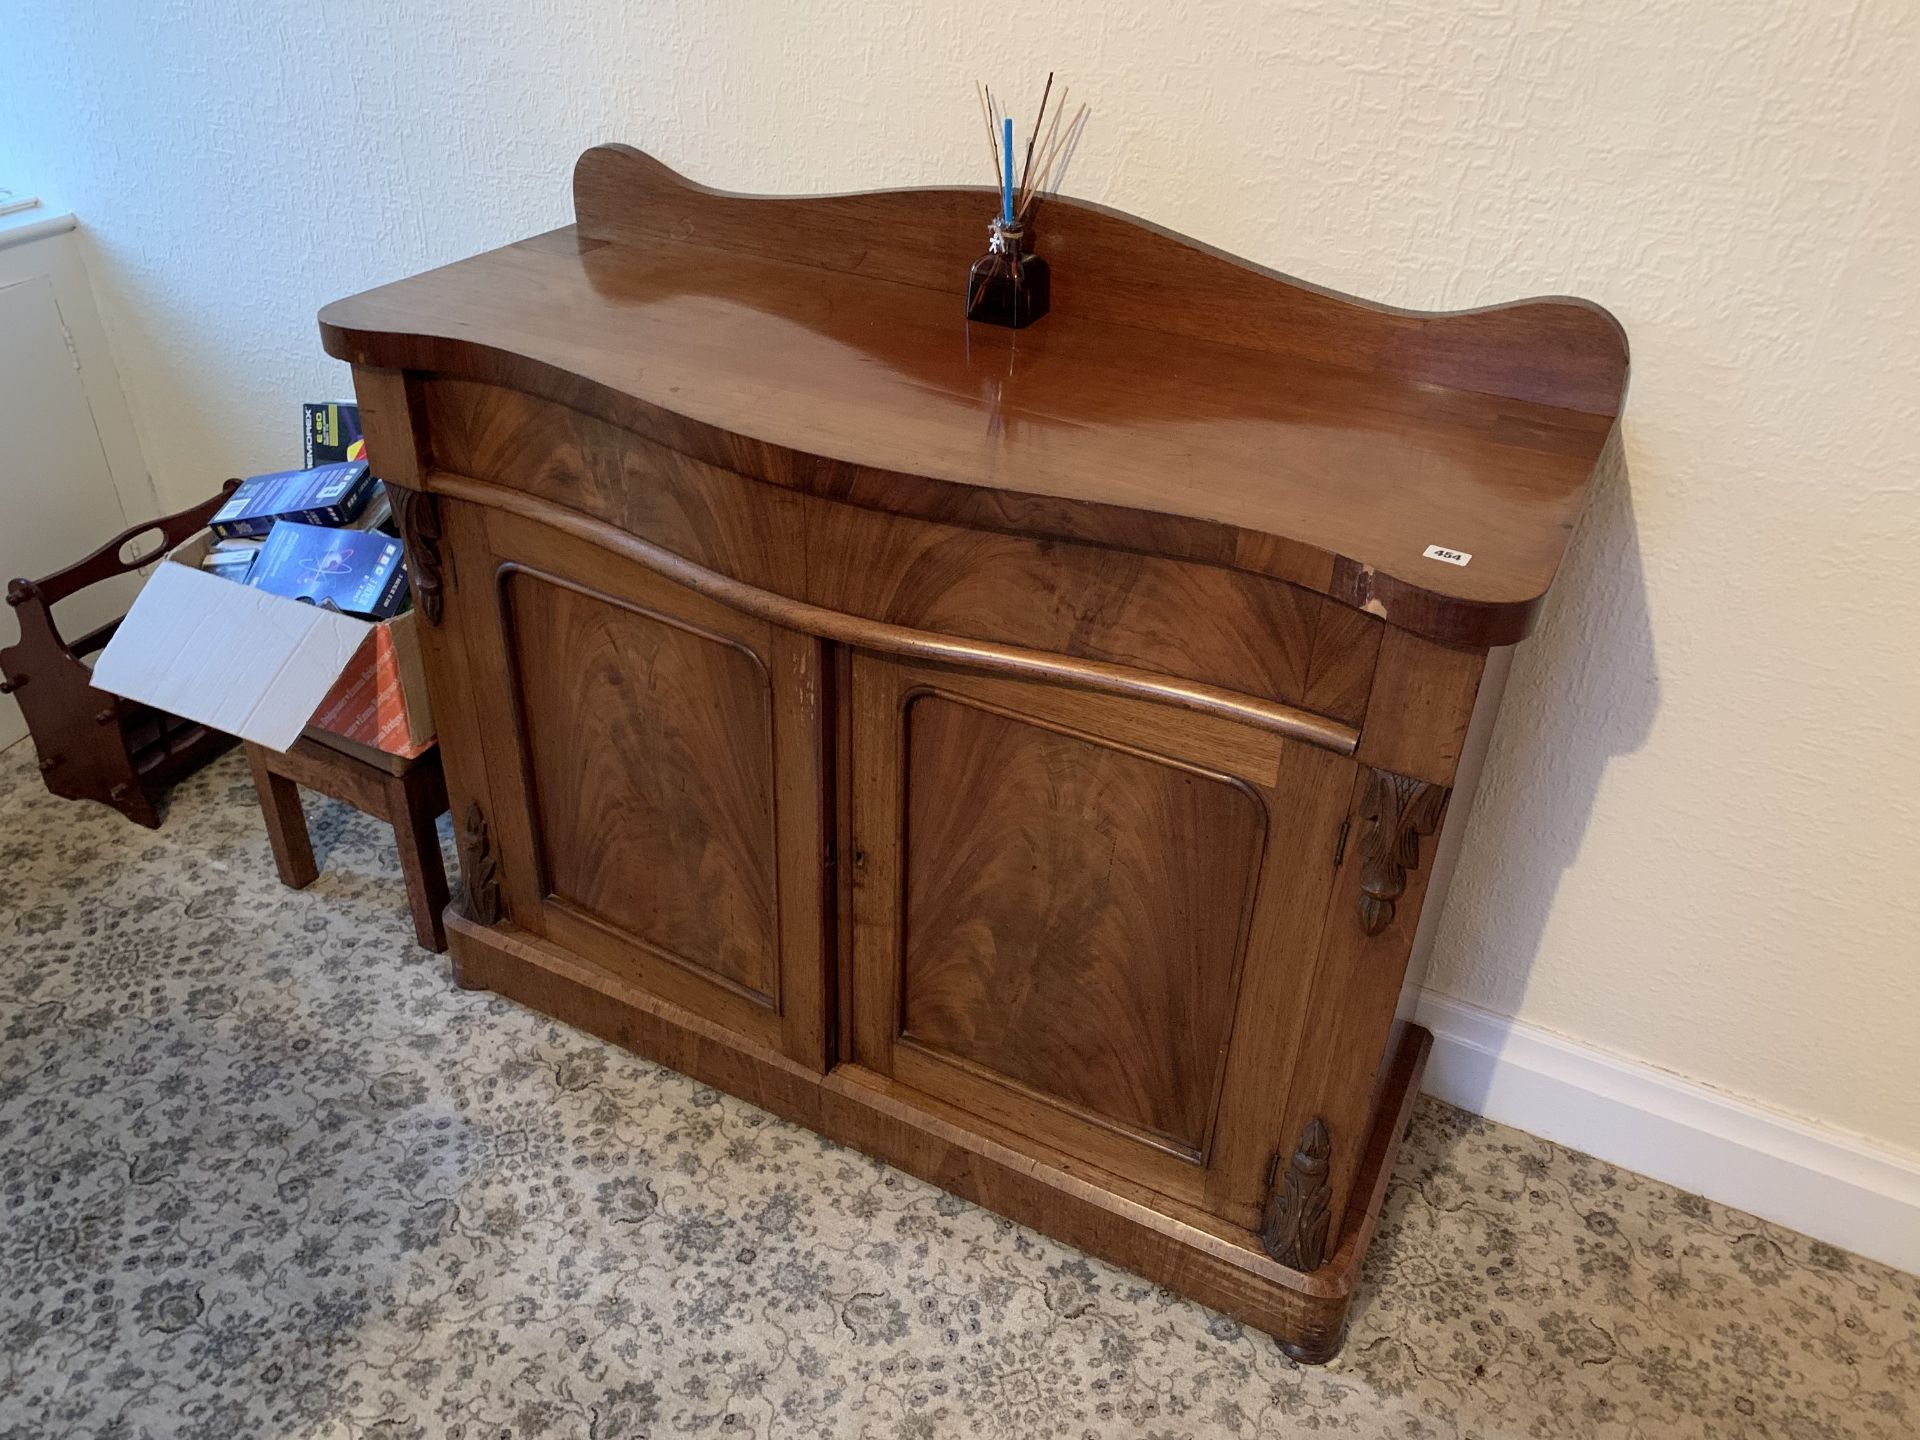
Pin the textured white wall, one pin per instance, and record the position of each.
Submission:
(1698, 840)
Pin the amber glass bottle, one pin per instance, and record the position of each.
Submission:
(1007, 286)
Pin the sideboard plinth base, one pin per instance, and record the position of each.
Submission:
(1186, 1250)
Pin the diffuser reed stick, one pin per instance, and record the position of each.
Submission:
(1026, 169)
(1027, 186)
(1053, 167)
(1009, 285)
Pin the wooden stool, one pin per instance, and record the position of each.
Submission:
(409, 795)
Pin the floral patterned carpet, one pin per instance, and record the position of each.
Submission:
(265, 1172)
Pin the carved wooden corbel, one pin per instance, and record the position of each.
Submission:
(1299, 1212)
(417, 513)
(1399, 813)
(480, 887)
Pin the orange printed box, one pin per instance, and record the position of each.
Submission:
(380, 699)
(267, 668)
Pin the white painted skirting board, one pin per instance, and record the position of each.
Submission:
(1824, 1184)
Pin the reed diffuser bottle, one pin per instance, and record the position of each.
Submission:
(1007, 286)
(1010, 285)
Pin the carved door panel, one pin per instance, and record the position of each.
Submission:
(1089, 918)
(669, 825)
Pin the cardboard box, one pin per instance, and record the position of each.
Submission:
(266, 668)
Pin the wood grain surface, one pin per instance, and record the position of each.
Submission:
(897, 639)
(651, 743)
(1116, 267)
(1061, 928)
(1091, 919)
(1018, 754)
(1232, 412)
(1244, 632)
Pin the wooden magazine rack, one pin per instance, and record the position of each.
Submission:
(92, 745)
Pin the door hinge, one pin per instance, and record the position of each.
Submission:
(1340, 845)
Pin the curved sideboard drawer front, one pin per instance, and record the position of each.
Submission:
(1242, 632)
(712, 516)
(1199, 622)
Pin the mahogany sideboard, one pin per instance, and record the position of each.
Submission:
(1019, 755)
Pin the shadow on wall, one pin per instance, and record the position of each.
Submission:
(1583, 690)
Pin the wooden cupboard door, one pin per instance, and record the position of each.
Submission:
(1091, 919)
(671, 819)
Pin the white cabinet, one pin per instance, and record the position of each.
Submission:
(71, 473)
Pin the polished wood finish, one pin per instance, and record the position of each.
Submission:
(411, 797)
(92, 745)
(1054, 895)
(1016, 755)
(1062, 884)
(623, 707)
(1314, 437)
(1117, 269)
(655, 761)
(1247, 632)
(899, 640)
